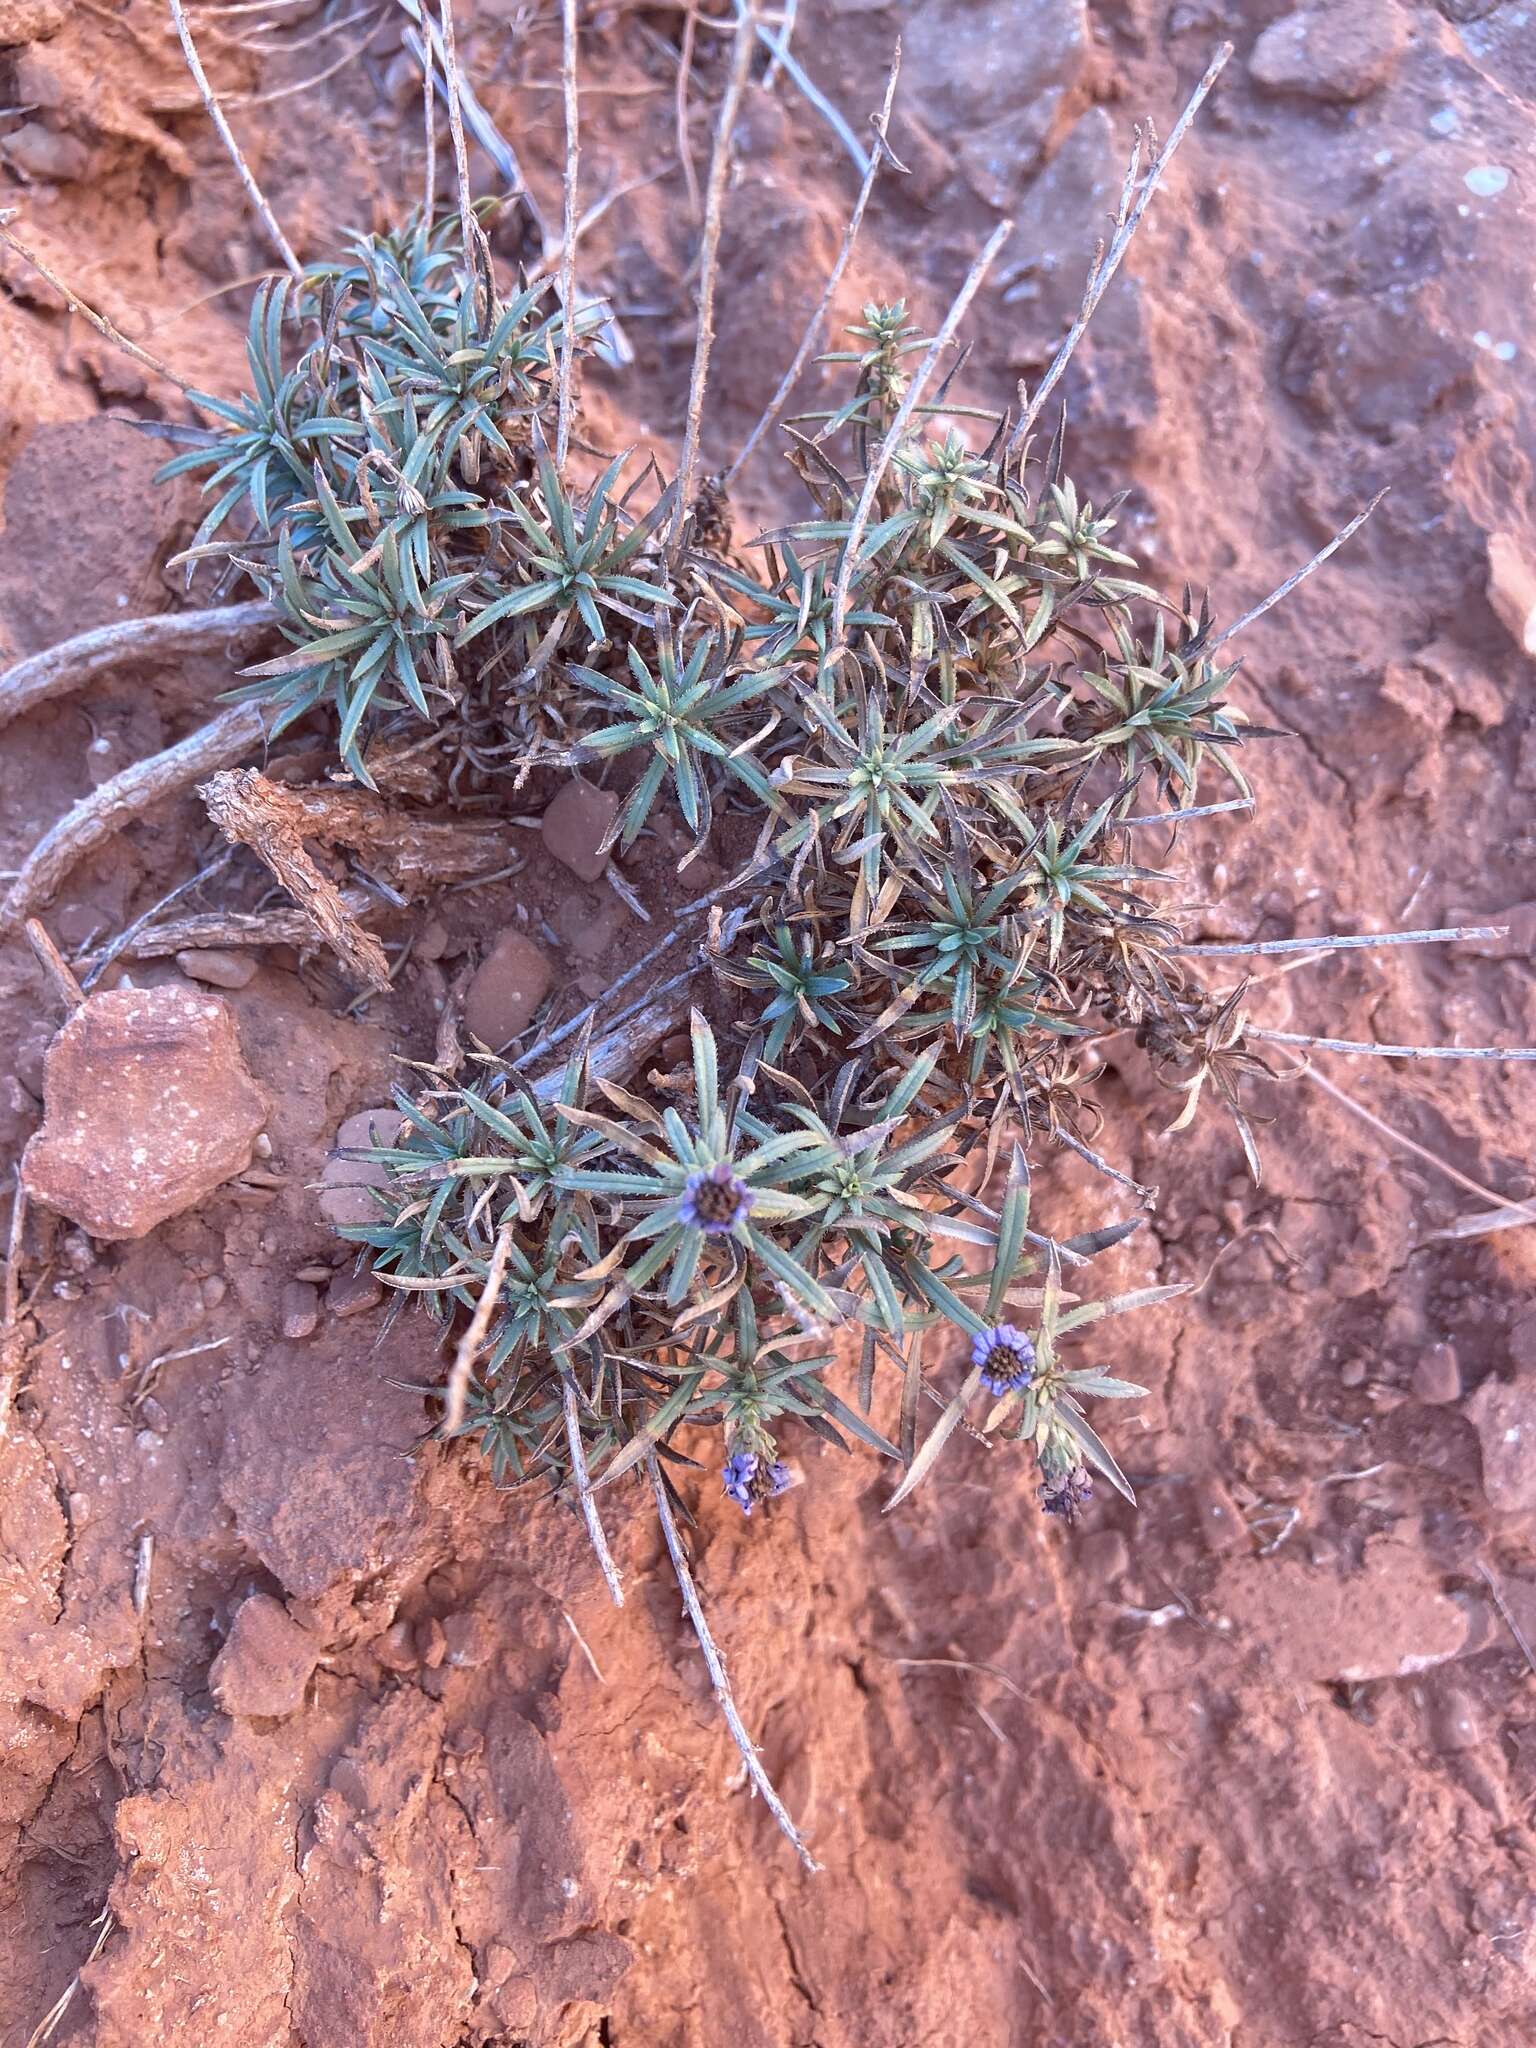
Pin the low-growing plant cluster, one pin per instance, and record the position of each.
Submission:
(938, 719)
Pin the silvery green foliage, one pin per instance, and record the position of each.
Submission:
(939, 798)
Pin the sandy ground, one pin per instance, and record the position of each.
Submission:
(1253, 1766)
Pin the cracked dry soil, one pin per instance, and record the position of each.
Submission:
(1254, 1766)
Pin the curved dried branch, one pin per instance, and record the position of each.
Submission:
(103, 814)
(254, 812)
(99, 321)
(71, 665)
(896, 433)
(595, 1531)
(568, 246)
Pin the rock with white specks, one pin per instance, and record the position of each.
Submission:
(1504, 1416)
(149, 1106)
(1335, 53)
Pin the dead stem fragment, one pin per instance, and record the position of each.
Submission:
(272, 821)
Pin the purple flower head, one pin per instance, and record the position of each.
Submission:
(1067, 1493)
(1006, 1357)
(738, 1473)
(715, 1200)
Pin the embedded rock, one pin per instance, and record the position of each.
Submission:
(149, 1106)
(1504, 1416)
(575, 825)
(509, 985)
(346, 1184)
(266, 1661)
(1334, 54)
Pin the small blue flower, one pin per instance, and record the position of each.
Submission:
(738, 1473)
(1006, 1357)
(715, 1200)
(1067, 1493)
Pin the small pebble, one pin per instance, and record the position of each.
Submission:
(352, 1294)
(300, 1310)
(1453, 1720)
(509, 985)
(431, 1642)
(345, 1183)
(218, 969)
(1437, 1375)
(395, 1649)
(1352, 1372)
(574, 826)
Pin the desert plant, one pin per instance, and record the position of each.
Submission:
(937, 710)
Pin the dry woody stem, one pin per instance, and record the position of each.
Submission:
(100, 816)
(272, 821)
(709, 258)
(474, 1331)
(568, 42)
(165, 637)
(589, 1514)
(896, 433)
(99, 321)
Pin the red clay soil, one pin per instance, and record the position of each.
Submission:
(350, 1745)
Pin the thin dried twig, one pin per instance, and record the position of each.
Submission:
(1394, 1052)
(126, 796)
(11, 1348)
(73, 663)
(896, 433)
(567, 1030)
(1107, 262)
(709, 256)
(474, 1334)
(429, 130)
(348, 57)
(615, 1056)
(1510, 1216)
(222, 929)
(253, 191)
(1509, 1620)
(809, 339)
(583, 1486)
(1145, 1195)
(680, 108)
(1397, 1137)
(53, 2019)
(716, 1666)
(1342, 942)
(568, 43)
(467, 223)
(127, 939)
(777, 41)
(961, 1664)
(254, 812)
(58, 970)
(584, 1646)
(99, 321)
(1297, 575)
